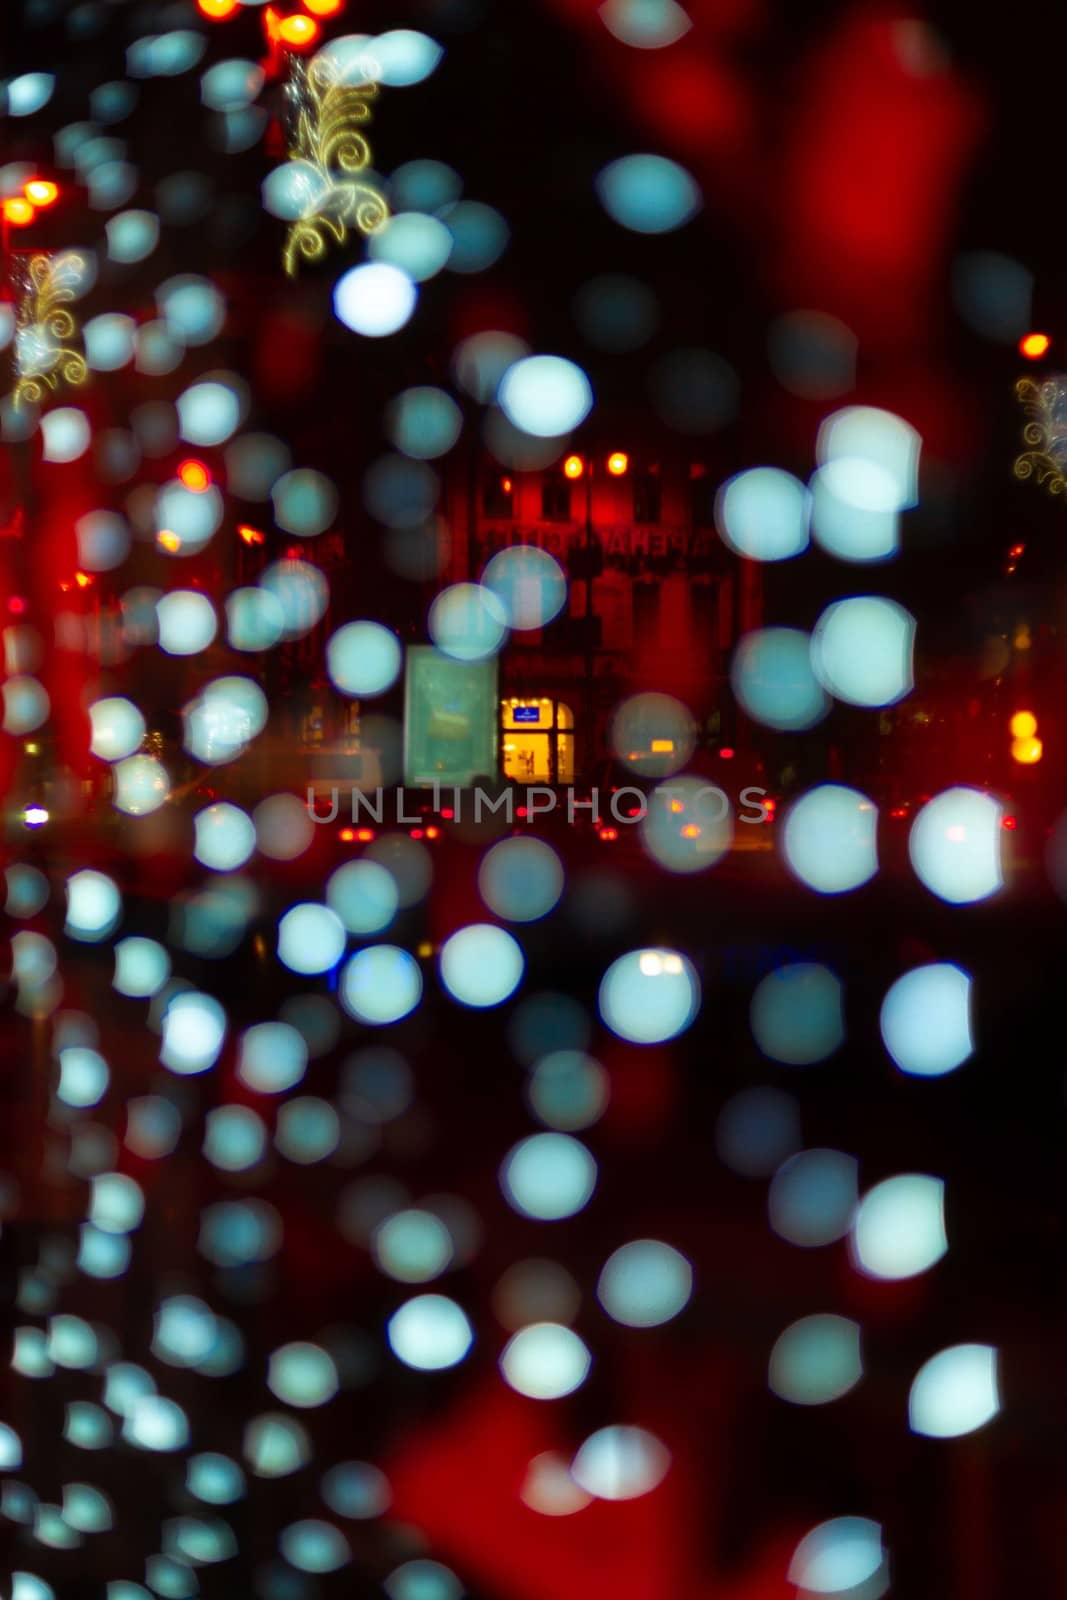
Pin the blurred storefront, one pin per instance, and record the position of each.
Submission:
(654, 597)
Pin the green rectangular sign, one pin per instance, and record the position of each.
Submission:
(451, 719)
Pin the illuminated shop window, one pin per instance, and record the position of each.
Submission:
(537, 739)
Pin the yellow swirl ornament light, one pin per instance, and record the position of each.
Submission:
(327, 139)
(1045, 433)
(47, 333)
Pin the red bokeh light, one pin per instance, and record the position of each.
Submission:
(195, 476)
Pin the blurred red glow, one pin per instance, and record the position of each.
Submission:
(195, 476)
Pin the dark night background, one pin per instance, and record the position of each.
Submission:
(837, 177)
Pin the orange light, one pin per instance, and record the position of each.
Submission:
(432, 833)
(194, 475)
(618, 463)
(18, 211)
(1016, 551)
(169, 540)
(1027, 751)
(1009, 823)
(1034, 346)
(506, 485)
(218, 10)
(677, 806)
(573, 467)
(323, 8)
(609, 833)
(82, 579)
(348, 834)
(298, 32)
(250, 535)
(365, 835)
(1023, 725)
(41, 192)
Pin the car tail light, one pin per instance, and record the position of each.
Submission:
(1009, 822)
(609, 833)
(416, 833)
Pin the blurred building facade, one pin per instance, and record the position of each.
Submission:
(655, 600)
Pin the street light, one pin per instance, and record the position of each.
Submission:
(298, 32)
(37, 195)
(1026, 749)
(195, 476)
(18, 211)
(573, 467)
(41, 192)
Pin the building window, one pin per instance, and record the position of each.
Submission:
(313, 726)
(704, 604)
(537, 739)
(498, 496)
(648, 495)
(646, 611)
(555, 500)
(701, 497)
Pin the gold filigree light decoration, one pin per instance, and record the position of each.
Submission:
(332, 160)
(47, 337)
(1045, 433)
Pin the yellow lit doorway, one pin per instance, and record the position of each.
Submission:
(538, 741)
